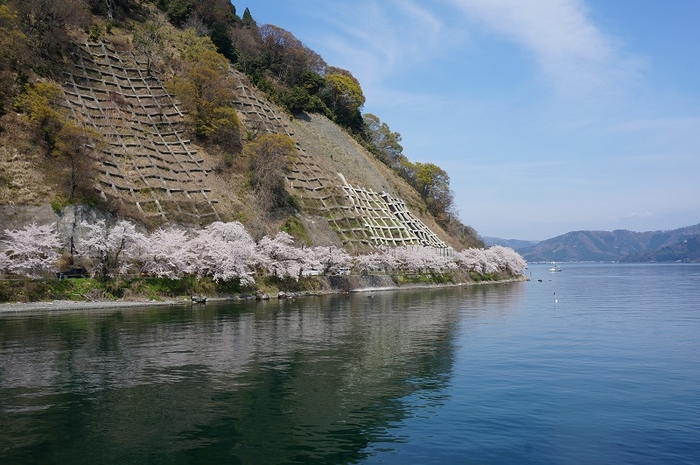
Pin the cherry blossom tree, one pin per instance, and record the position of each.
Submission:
(111, 251)
(475, 260)
(169, 254)
(31, 251)
(507, 259)
(404, 260)
(224, 251)
(418, 259)
(415, 259)
(434, 261)
(279, 257)
(311, 261)
(492, 260)
(468, 259)
(366, 263)
(332, 258)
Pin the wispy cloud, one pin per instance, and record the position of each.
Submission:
(572, 52)
(381, 39)
(374, 38)
(640, 215)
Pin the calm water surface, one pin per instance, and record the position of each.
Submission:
(596, 364)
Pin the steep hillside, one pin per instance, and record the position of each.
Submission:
(359, 198)
(147, 162)
(150, 168)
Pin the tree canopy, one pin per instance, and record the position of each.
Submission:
(207, 92)
(387, 142)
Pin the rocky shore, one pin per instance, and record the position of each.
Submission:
(68, 305)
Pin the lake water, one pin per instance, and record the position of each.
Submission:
(596, 364)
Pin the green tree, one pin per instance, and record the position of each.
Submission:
(344, 93)
(296, 99)
(113, 9)
(343, 96)
(207, 92)
(227, 129)
(247, 19)
(387, 142)
(178, 11)
(433, 184)
(192, 45)
(220, 37)
(429, 178)
(312, 81)
(39, 102)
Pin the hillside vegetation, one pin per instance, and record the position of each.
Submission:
(185, 112)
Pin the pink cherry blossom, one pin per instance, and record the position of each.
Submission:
(224, 251)
(111, 251)
(31, 251)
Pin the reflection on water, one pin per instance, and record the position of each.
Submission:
(308, 380)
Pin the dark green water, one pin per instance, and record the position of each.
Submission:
(610, 373)
(315, 379)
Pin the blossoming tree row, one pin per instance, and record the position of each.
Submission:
(224, 252)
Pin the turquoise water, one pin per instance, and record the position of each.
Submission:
(596, 364)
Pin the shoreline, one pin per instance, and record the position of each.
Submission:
(68, 305)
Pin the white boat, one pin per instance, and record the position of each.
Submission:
(554, 269)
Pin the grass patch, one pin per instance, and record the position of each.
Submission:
(89, 289)
(58, 204)
(295, 228)
(423, 278)
(30, 290)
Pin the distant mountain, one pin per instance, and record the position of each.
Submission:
(620, 245)
(688, 250)
(512, 243)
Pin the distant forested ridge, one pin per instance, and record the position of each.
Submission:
(677, 245)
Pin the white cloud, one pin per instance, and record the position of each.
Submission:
(573, 53)
(375, 38)
(640, 215)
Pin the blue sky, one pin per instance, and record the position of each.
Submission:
(549, 115)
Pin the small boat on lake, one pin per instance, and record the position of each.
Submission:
(554, 268)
